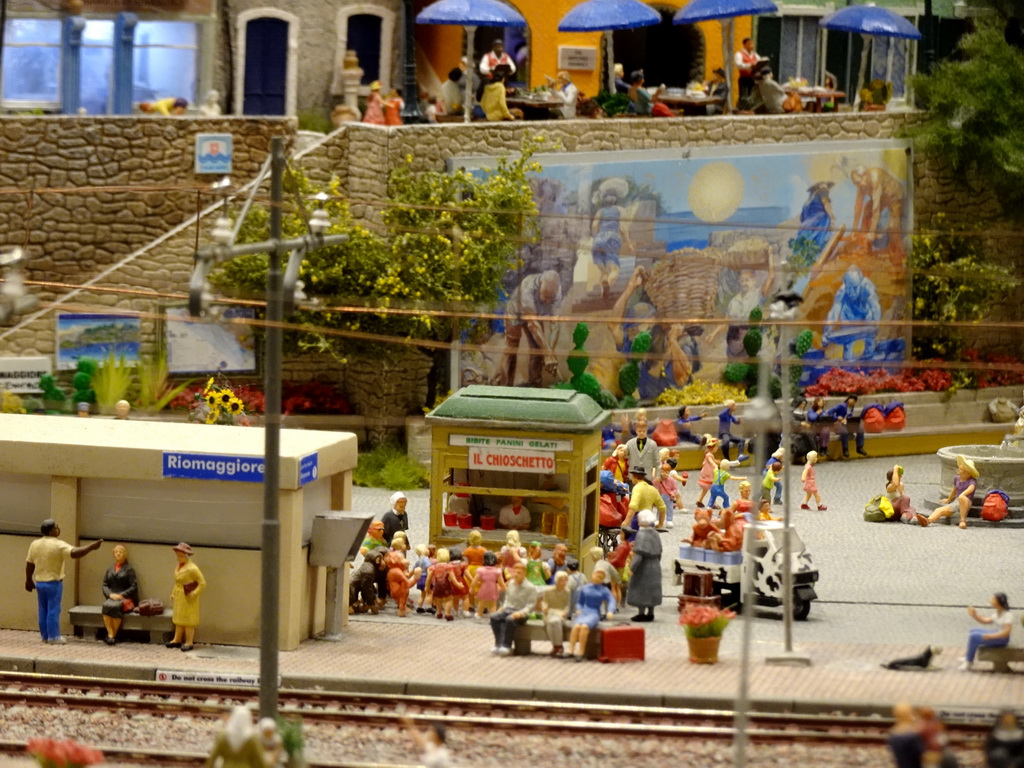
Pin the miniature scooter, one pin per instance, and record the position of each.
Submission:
(729, 571)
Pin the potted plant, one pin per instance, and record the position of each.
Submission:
(704, 626)
(875, 95)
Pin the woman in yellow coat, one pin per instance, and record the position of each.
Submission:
(188, 585)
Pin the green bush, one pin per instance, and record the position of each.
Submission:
(388, 466)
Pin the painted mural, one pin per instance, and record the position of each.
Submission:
(686, 243)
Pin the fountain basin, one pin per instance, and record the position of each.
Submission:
(999, 468)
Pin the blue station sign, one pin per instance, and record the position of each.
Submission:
(240, 469)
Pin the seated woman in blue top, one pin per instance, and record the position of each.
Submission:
(593, 601)
(683, 426)
(820, 422)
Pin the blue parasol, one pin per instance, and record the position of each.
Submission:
(469, 14)
(605, 16)
(869, 20)
(724, 11)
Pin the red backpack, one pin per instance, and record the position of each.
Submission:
(665, 434)
(895, 417)
(995, 507)
(872, 418)
(611, 515)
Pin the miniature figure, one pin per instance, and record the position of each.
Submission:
(393, 108)
(619, 559)
(423, 563)
(778, 456)
(702, 529)
(121, 590)
(810, 484)
(461, 596)
(165, 107)
(492, 97)
(683, 425)
(520, 600)
(374, 105)
(645, 571)
(188, 586)
(843, 416)
(400, 544)
(669, 490)
(433, 750)
(644, 496)
(442, 582)
(374, 538)
(515, 515)
(999, 637)
(770, 478)
(641, 451)
(83, 410)
(617, 463)
(576, 579)
(557, 561)
(238, 745)
(964, 485)
(211, 106)
(611, 576)
(487, 584)
(399, 580)
(271, 743)
(819, 421)
(1004, 745)
(725, 421)
(593, 602)
(905, 741)
(897, 495)
(764, 511)
(721, 477)
(707, 469)
(363, 593)
(610, 233)
(732, 523)
(511, 553)
(556, 601)
(121, 409)
(639, 97)
(44, 573)
(496, 57)
(537, 570)
(396, 519)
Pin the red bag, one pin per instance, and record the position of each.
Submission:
(994, 508)
(873, 419)
(622, 643)
(658, 109)
(610, 513)
(665, 434)
(895, 418)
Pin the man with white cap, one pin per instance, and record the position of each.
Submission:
(395, 519)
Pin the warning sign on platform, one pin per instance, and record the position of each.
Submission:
(206, 678)
(511, 460)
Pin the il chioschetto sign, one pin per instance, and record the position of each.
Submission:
(240, 469)
(530, 444)
(511, 460)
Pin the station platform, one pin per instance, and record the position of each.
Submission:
(426, 657)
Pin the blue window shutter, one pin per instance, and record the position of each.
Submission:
(70, 65)
(124, 42)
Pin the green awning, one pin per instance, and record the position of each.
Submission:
(543, 410)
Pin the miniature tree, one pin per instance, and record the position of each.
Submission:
(629, 373)
(82, 381)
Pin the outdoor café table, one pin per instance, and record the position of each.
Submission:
(688, 104)
(534, 109)
(816, 97)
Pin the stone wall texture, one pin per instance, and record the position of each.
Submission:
(93, 199)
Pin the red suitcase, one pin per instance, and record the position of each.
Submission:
(622, 642)
(698, 583)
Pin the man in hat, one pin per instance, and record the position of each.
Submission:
(641, 451)
(44, 572)
(496, 57)
(644, 496)
(395, 519)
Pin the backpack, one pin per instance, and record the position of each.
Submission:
(895, 416)
(995, 507)
(665, 434)
(610, 515)
(873, 418)
(878, 510)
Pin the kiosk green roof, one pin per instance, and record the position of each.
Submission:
(544, 410)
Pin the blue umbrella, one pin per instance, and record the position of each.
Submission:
(725, 11)
(469, 14)
(605, 16)
(869, 20)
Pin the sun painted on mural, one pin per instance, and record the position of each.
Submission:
(685, 247)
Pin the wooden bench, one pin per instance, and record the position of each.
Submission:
(534, 630)
(1000, 658)
(160, 628)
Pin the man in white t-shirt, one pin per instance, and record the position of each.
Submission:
(495, 57)
(44, 573)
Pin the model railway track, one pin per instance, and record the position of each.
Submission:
(385, 711)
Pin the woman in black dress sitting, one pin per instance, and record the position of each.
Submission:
(119, 585)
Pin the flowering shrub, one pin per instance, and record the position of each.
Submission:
(217, 404)
(1009, 370)
(62, 754)
(701, 392)
(296, 397)
(843, 381)
(704, 620)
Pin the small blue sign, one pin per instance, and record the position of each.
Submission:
(309, 469)
(212, 466)
(214, 152)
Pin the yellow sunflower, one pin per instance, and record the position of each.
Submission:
(235, 405)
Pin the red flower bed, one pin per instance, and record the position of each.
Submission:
(296, 397)
(842, 381)
(1008, 371)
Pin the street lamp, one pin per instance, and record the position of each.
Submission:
(411, 114)
(223, 249)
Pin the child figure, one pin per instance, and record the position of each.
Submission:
(779, 456)
(441, 582)
(770, 478)
(765, 511)
(460, 584)
(707, 469)
(537, 571)
(619, 559)
(511, 553)
(399, 580)
(474, 553)
(667, 486)
(730, 539)
(487, 584)
(810, 485)
(424, 561)
(702, 528)
(721, 477)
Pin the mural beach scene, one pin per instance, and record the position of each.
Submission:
(96, 336)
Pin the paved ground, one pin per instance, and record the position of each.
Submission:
(886, 591)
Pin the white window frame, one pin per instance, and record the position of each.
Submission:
(50, 106)
(388, 19)
(198, 48)
(291, 84)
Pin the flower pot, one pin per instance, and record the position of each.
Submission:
(451, 519)
(488, 522)
(465, 521)
(703, 650)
